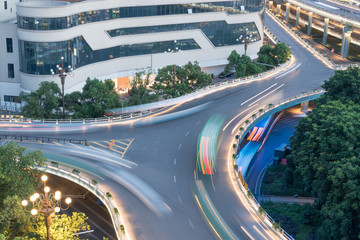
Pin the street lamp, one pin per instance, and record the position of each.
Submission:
(175, 50)
(62, 73)
(245, 41)
(46, 204)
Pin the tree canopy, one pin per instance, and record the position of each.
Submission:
(42, 103)
(175, 81)
(325, 156)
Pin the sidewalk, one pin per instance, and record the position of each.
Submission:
(287, 199)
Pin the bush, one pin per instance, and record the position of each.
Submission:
(250, 195)
(94, 181)
(234, 156)
(116, 211)
(236, 167)
(234, 145)
(75, 171)
(108, 195)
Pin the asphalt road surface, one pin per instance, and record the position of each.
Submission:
(163, 153)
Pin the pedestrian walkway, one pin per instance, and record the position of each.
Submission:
(287, 199)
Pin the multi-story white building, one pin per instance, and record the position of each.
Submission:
(114, 39)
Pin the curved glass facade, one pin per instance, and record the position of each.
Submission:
(39, 57)
(218, 32)
(231, 7)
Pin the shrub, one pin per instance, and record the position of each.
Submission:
(250, 195)
(94, 181)
(116, 211)
(76, 171)
(108, 195)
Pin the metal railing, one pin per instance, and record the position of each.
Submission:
(88, 184)
(246, 127)
(43, 139)
(145, 109)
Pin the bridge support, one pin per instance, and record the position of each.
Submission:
(345, 43)
(297, 16)
(305, 107)
(278, 9)
(287, 12)
(326, 26)
(310, 16)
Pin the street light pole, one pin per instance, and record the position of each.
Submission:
(62, 73)
(175, 50)
(46, 204)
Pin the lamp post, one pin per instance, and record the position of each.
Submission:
(245, 40)
(175, 50)
(62, 73)
(46, 204)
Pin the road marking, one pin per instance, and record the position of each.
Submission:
(258, 231)
(197, 122)
(191, 224)
(175, 161)
(179, 146)
(291, 70)
(259, 94)
(247, 233)
(267, 94)
(174, 179)
(180, 199)
(187, 134)
(235, 118)
(128, 146)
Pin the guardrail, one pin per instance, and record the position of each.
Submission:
(43, 139)
(145, 109)
(247, 126)
(88, 184)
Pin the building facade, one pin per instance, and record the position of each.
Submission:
(114, 39)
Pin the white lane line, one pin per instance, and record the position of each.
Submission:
(179, 146)
(187, 134)
(266, 94)
(258, 231)
(247, 233)
(197, 122)
(174, 179)
(191, 224)
(291, 70)
(180, 199)
(258, 94)
(175, 161)
(235, 118)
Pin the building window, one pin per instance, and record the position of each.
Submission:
(11, 73)
(8, 98)
(5, 5)
(9, 45)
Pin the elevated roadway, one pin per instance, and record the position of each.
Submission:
(164, 153)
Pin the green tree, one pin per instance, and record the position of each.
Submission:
(42, 103)
(73, 103)
(98, 96)
(139, 92)
(63, 227)
(184, 80)
(282, 52)
(344, 85)
(325, 153)
(14, 221)
(16, 174)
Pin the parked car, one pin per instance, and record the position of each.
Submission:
(226, 75)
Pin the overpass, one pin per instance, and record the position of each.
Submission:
(346, 25)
